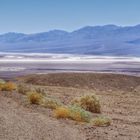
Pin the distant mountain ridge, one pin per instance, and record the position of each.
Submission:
(96, 40)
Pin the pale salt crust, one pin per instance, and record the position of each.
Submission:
(65, 58)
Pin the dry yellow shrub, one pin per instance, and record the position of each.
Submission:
(9, 86)
(101, 121)
(62, 112)
(89, 102)
(74, 113)
(1, 87)
(34, 97)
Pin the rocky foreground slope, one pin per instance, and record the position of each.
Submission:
(119, 96)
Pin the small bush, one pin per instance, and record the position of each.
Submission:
(74, 113)
(89, 102)
(79, 114)
(34, 97)
(62, 112)
(41, 90)
(101, 121)
(1, 86)
(9, 86)
(2, 81)
(51, 103)
(23, 89)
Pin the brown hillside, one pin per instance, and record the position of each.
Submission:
(86, 80)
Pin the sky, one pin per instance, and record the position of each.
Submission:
(31, 16)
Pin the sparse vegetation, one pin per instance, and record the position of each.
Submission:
(38, 96)
(40, 90)
(73, 112)
(78, 111)
(34, 97)
(51, 103)
(79, 114)
(9, 86)
(23, 89)
(62, 112)
(89, 102)
(1, 86)
(2, 81)
(101, 121)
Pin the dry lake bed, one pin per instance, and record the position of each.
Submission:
(16, 64)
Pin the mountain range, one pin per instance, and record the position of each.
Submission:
(93, 40)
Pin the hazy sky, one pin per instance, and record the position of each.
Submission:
(30, 16)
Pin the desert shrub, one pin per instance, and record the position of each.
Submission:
(34, 97)
(79, 114)
(101, 121)
(62, 112)
(1, 86)
(51, 103)
(89, 102)
(9, 86)
(41, 90)
(74, 113)
(2, 81)
(23, 89)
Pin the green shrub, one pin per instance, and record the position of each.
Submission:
(2, 81)
(101, 121)
(79, 114)
(89, 102)
(73, 112)
(51, 103)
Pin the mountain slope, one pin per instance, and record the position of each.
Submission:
(98, 40)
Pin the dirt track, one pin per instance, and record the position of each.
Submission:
(120, 100)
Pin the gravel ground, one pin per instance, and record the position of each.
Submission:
(119, 96)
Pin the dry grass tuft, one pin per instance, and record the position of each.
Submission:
(41, 90)
(51, 103)
(2, 81)
(9, 86)
(1, 86)
(62, 112)
(23, 89)
(89, 102)
(34, 97)
(74, 113)
(101, 121)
